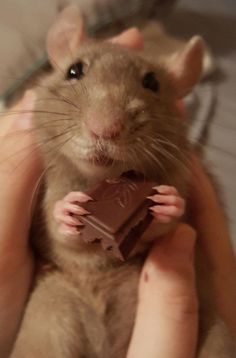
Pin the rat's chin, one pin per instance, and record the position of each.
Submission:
(99, 166)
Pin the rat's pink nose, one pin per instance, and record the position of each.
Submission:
(98, 129)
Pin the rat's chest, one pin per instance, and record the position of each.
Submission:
(106, 306)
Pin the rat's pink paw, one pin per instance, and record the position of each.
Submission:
(67, 210)
(171, 204)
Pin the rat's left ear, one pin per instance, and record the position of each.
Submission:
(185, 66)
(65, 35)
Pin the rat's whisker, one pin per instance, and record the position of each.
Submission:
(157, 142)
(151, 156)
(58, 99)
(181, 157)
(66, 99)
(40, 179)
(9, 113)
(35, 146)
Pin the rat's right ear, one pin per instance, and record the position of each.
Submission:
(185, 66)
(65, 35)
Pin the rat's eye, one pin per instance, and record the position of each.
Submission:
(150, 82)
(75, 71)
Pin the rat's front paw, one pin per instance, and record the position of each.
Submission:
(67, 211)
(170, 204)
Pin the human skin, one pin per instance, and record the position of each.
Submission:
(20, 170)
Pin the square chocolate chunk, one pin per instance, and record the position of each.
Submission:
(119, 213)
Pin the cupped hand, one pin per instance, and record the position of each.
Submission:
(20, 168)
(214, 242)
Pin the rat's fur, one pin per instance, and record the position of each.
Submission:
(84, 304)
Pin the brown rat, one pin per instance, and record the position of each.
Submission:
(104, 110)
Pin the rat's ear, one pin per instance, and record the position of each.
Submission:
(65, 35)
(185, 66)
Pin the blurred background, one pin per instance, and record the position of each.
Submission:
(212, 105)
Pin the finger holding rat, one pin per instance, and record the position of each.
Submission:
(215, 243)
(168, 307)
(20, 169)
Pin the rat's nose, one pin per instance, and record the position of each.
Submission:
(99, 129)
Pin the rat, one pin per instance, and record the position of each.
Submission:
(104, 110)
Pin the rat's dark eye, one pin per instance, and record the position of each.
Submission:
(75, 71)
(150, 82)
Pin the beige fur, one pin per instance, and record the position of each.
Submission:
(83, 305)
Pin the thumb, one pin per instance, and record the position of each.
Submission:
(166, 322)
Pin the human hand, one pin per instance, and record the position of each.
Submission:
(166, 322)
(167, 316)
(19, 171)
(214, 243)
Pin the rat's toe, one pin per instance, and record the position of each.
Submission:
(74, 209)
(166, 189)
(67, 230)
(169, 210)
(77, 197)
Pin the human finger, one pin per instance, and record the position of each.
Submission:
(166, 322)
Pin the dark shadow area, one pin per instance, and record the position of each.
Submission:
(217, 29)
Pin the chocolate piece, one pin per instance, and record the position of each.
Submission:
(119, 214)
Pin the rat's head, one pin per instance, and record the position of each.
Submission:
(109, 109)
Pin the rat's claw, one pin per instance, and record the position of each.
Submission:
(174, 200)
(170, 210)
(171, 204)
(67, 213)
(166, 189)
(67, 219)
(63, 208)
(73, 209)
(77, 197)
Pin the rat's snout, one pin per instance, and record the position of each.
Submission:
(99, 128)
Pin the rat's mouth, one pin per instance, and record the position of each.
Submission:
(102, 160)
